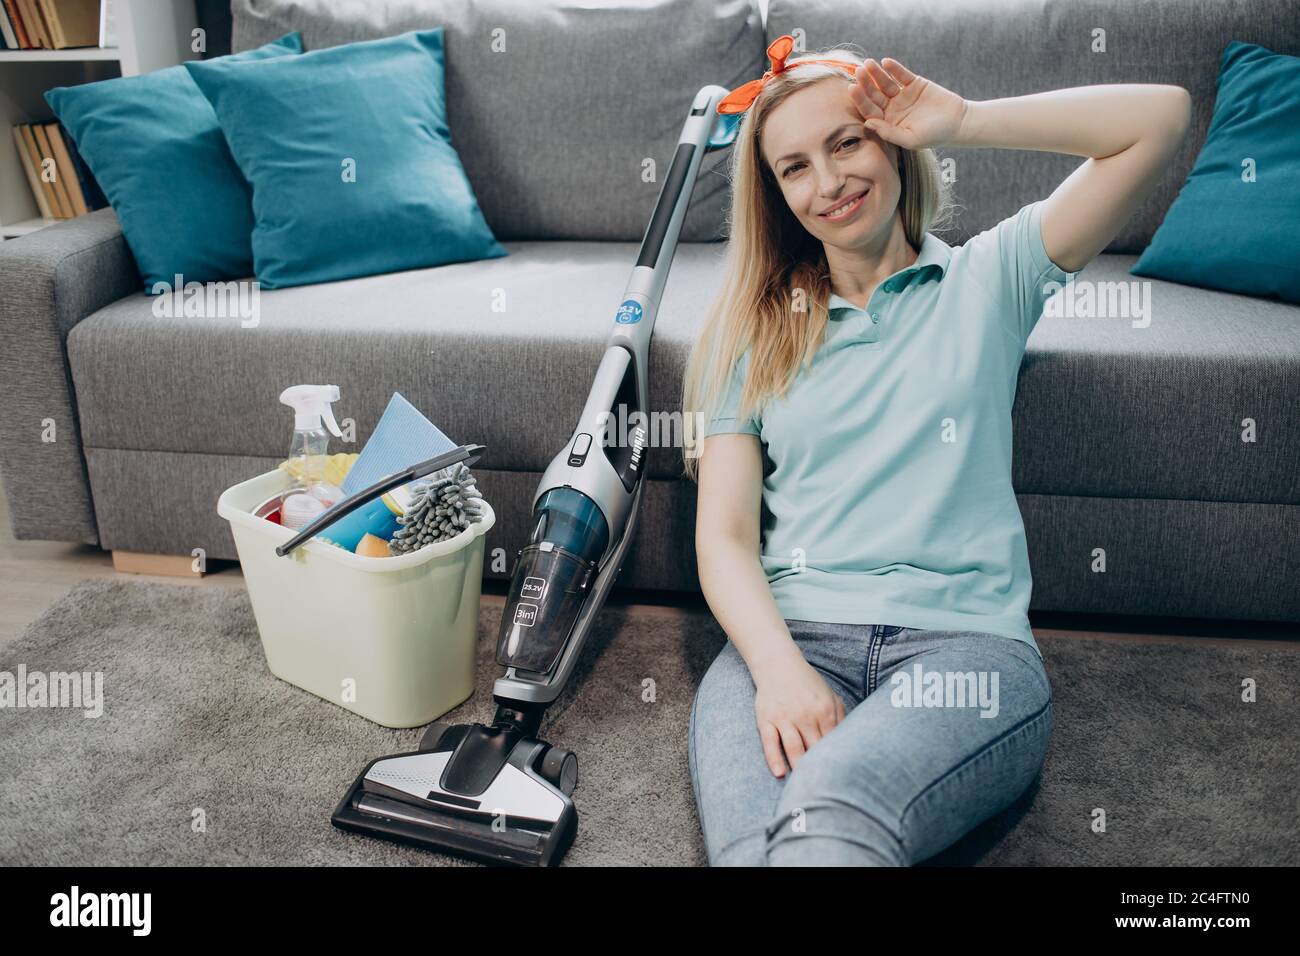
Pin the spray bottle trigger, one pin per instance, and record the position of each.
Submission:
(327, 413)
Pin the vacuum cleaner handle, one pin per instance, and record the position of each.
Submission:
(466, 453)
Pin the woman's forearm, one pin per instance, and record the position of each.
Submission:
(737, 591)
(1127, 131)
(1091, 121)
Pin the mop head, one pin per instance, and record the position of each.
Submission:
(442, 506)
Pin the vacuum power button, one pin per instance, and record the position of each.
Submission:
(581, 445)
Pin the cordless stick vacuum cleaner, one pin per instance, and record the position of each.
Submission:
(497, 793)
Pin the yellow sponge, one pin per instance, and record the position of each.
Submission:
(371, 546)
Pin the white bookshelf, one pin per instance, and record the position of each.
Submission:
(151, 35)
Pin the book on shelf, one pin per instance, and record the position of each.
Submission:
(16, 24)
(7, 31)
(31, 18)
(67, 172)
(26, 154)
(60, 181)
(72, 23)
(43, 189)
(52, 24)
(90, 191)
(51, 173)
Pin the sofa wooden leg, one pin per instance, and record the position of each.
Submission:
(171, 565)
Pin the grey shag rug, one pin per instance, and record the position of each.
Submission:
(1156, 735)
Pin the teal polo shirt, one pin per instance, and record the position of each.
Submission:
(888, 497)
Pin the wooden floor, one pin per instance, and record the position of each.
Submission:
(34, 573)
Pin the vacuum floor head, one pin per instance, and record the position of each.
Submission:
(479, 792)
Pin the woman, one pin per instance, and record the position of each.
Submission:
(881, 692)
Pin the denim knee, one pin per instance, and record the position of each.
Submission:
(747, 850)
(833, 833)
(815, 826)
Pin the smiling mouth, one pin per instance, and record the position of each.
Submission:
(844, 209)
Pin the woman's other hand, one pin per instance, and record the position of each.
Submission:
(795, 708)
(903, 108)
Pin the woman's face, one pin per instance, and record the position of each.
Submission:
(839, 179)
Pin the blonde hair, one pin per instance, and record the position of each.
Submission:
(771, 257)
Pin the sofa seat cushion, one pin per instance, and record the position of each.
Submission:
(502, 352)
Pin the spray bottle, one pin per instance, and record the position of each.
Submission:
(311, 494)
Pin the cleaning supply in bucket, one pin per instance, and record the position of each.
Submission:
(406, 519)
(402, 436)
(311, 494)
(442, 506)
(378, 518)
(372, 547)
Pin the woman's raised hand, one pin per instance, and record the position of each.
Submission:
(903, 108)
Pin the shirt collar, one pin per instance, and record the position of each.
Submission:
(932, 259)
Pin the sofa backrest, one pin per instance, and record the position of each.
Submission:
(565, 115)
(985, 49)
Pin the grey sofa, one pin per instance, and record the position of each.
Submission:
(1127, 439)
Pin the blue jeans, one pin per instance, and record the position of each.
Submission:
(942, 730)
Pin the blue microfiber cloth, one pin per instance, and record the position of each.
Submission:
(402, 437)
